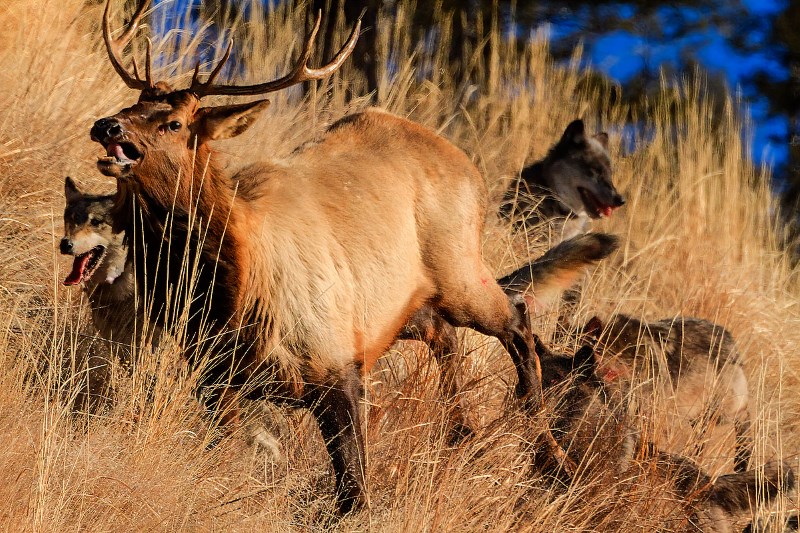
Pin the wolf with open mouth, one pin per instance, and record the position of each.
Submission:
(100, 263)
(569, 188)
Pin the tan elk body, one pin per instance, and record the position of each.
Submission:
(309, 267)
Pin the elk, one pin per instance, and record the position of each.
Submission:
(308, 268)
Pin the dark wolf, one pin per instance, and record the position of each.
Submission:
(568, 188)
(592, 425)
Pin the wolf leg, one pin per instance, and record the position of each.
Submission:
(744, 441)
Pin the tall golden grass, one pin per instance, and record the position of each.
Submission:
(697, 236)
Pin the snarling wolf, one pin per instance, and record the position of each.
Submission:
(593, 425)
(688, 364)
(568, 188)
(100, 263)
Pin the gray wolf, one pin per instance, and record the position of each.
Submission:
(592, 424)
(100, 263)
(568, 188)
(306, 278)
(689, 364)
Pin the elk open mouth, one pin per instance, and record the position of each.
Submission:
(594, 206)
(85, 265)
(120, 157)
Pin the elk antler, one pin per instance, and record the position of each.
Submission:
(300, 73)
(114, 47)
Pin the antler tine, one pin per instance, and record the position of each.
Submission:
(300, 73)
(149, 66)
(197, 87)
(114, 47)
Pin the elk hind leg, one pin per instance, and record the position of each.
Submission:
(428, 326)
(483, 306)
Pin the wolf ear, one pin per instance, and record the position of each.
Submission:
(574, 135)
(226, 121)
(584, 359)
(593, 329)
(71, 191)
(602, 138)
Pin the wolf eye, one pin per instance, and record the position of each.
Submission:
(174, 125)
(95, 221)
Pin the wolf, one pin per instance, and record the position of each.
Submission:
(101, 264)
(592, 425)
(689, 363)
(570, 187)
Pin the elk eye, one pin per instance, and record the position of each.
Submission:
(174, 125)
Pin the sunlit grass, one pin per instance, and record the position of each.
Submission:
(697, 239)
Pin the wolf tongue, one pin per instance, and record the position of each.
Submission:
(78, 268)
(606, 211)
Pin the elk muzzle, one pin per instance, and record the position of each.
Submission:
(121, 154)
(106, 130)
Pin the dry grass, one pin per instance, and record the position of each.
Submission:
(697, 240)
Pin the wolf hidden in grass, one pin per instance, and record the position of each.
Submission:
(592, 425)
(682, 365)
(100, 263)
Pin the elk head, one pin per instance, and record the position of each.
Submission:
(158, 135)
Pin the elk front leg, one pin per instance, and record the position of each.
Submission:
(335, 405)
(223, 405)
(428, 326)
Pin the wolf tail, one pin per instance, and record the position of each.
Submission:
(736, 492)
(559, 268)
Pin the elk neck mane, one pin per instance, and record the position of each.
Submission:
(178, 223)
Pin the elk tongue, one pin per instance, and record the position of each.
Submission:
(115, 150)
(78, 268)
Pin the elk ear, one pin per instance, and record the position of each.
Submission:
(574, 135)
(71, 191)
(602, 138)
(224, 122)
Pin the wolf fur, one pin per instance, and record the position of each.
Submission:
(567, 189)
(593, 426)
(689, 364)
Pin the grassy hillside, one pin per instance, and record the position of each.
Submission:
(697, 240)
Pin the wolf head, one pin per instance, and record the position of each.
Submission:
(577, 171)
(99, 252)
